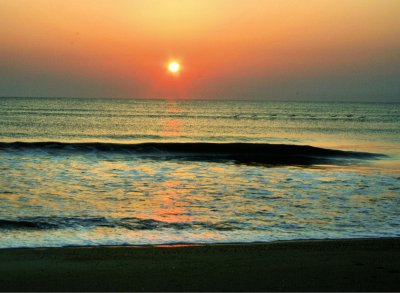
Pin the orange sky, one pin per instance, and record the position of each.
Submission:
(311, 49)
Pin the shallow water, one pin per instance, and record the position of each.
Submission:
(69, 195)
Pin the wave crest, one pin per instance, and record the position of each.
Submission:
(249, 153)
(50, 223)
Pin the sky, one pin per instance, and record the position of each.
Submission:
(228, 49)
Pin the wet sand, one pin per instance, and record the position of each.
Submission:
(327, 265)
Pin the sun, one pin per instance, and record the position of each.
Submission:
(174, 67)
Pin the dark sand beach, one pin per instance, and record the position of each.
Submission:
(326, 265)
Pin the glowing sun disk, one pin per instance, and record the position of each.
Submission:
(174, 67)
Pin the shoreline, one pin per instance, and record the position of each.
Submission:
(361, 264)
(212, 244)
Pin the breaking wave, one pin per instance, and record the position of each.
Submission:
(256, 153)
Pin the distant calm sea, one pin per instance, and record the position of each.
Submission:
(125, 172)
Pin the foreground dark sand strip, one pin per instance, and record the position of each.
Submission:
(343, 265)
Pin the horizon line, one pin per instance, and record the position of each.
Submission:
(205, 99)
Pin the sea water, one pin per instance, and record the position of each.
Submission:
(131, 172)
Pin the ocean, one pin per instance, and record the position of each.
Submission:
(90, 172)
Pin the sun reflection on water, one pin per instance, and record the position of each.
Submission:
(172, 125)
